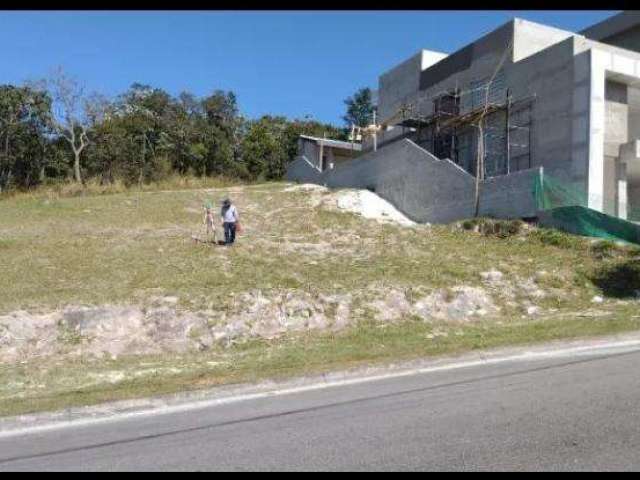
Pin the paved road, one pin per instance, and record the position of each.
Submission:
(570, 413)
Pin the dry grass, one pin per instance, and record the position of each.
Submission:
(64, 189)
(127, 247)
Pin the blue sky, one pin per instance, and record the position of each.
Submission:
(290, 63)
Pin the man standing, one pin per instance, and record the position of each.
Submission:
(230, 218)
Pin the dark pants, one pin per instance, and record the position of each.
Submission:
(229, 232)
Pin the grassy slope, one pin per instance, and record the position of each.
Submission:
(128, 247)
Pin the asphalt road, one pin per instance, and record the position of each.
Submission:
(570, 413)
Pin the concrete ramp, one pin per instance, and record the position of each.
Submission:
(424, 187)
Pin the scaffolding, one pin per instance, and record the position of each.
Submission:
(448, 132)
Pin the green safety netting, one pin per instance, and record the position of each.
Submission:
(553, 193)
(564, 206)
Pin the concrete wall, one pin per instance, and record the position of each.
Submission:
(531, 38)
(392, 134)
(575, 123)
(492, 45)
(400, 84)
(633, 195)
(543, 67)
(606, 63)
(633, 98)
(416, 81)
(567, 91)
(396, 86)
(475, 62)
(303, 171)
(621, 30)
(425, 188)
(557, 81)
(629, 40)
(339, 157)
(610, 187)
(311, 151)
(616, 129)
(629, 163)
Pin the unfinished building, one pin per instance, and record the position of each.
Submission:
(325, 153)
(523, 101)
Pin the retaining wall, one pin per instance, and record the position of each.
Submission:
(424, 187)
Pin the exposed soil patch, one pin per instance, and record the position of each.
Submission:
(361, 202)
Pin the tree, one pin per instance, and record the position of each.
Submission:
(69, 118)
(222, 129)
(11, 109)
(140, 122)
(23, 135)
(263, 149)
(360, 108)
(221, 107)
(142, 135)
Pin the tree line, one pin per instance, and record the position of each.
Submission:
(50, 130)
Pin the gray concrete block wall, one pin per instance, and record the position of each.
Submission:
(624, 25)
(309, 150)
(531, 38)
(398, 84)
(412, 179)
(629, 40)
(548, 78)
(634, 112)
(476, 62)
(510, 196)
(622, 30)
(384, 137)
(425, 188)
(546, 74)
(300, 170)
(616, 127)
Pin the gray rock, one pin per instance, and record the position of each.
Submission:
(533, 310)
(492, 276)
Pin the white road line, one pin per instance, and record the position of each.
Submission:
(601, 349)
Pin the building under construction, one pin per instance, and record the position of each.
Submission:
(522, 101)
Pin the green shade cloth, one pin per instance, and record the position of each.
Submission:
(565, 207)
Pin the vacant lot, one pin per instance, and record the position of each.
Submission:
(107, 297)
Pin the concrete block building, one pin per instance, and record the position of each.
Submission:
(530, 100)
(324, 153)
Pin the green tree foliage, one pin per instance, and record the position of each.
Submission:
(142, 135)
(270, 144)
(263, 153)
(360, 108)
(24, 126)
